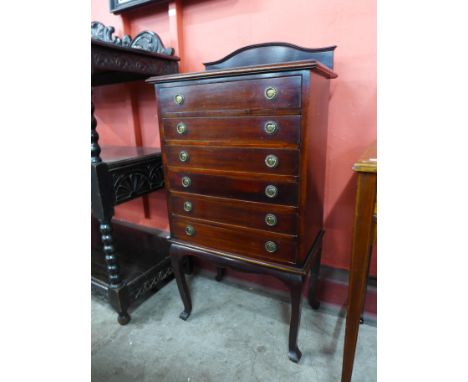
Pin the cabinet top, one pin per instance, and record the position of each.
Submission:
(368, 160)
(313, 65)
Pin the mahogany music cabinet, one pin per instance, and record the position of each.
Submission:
(244, 147)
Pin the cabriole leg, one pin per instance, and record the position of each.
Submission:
(177, 265)
(295, 286)
(312, 294)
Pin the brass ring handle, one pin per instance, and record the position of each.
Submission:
(271, 92)
(271, 191)
(271, 220)
(184, 156)
(181, 128)
(270, 246)
(189, 230)
(186, 181)
(270, 127)
(187, 206)
(271, 161)
(179, 99)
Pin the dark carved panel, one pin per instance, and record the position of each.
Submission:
(110, 65)
(148, 41)
(152, 281)
(136, 180)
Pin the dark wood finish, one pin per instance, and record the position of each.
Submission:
(314, 273)
(95, 148)
(143, 259)
(135, 176)
(146, 41)
(296, 283)
(223, 171)
(116, 60)
(232, 95)
(243, 131)
(121, 174)
(235, 212)
(240, 240)
(287, 68)
(234, 159)
(260, 54)
(236, 186)
(113, 64)
(363, 238)
(312, 173)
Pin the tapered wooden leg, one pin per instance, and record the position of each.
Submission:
(374, 225)
(219, 273)
(178, 267)
(360, 257)
(312, 294)
(295, 286)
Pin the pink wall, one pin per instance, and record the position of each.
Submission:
(214, 28)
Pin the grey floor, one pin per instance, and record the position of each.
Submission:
(235, 333)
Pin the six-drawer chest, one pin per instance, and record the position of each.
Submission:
(244, 149)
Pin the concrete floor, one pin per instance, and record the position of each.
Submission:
(234, 333)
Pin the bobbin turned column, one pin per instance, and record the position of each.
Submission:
(113, 272)
(95, 149)
(102, 204)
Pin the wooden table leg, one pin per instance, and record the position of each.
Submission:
(314, 273)
(294, 353)
(177, 265)
(362, 240)
(219, 273)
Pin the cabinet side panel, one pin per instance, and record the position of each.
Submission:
(314, 161)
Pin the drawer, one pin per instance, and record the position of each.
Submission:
(252, 244)
(259, 130)
(253, 187)
(263, 93)
(264, 160)
(267, 217)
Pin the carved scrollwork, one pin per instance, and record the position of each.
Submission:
(137, 181)
(101, 32)
(151, 42)
(152, 282)
(148, 41)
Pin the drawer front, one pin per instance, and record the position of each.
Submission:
(263, 93)
(243, 242)
(251, 215)
(272, 129)
(252, 188)
(273, 161)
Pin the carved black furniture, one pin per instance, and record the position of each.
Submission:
(244, 148)
(120, 174)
